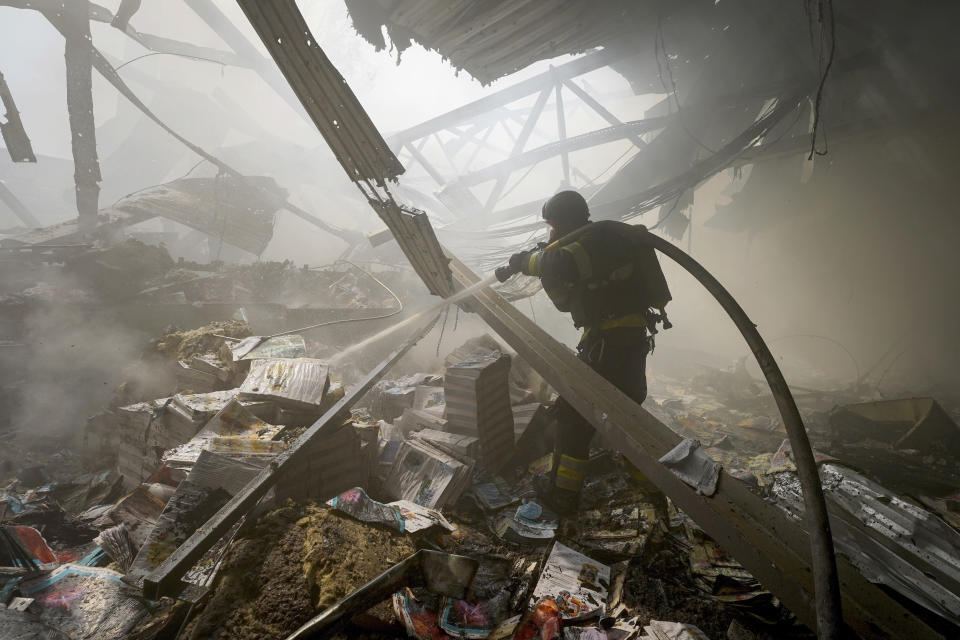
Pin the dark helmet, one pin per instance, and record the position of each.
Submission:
(567, 208)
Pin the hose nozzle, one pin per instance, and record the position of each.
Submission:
(504, 273)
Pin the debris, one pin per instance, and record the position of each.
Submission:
(213, 479)
(576, 583)
(232, 430)
(357, 504)
(439, 573)
(660, 630)
(85, 602)
(891, 540)
(284, 346)
(459, 446)
(118, 545)
(137, 512)
(417, 611)
(248, 202)
(542, 622)
(184, 345)
(414, 420)
(910, 423)
(296, 383)
(291, 565)
(494, 495)
(426, 475)
(688, 462)
(488, 602)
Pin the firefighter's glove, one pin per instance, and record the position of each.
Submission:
(517, 261)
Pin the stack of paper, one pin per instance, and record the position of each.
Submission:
(459, 446)
(298, 383)
(478, 404)
(234, 430)
(327, 465)
(426, 475)
(414, 420)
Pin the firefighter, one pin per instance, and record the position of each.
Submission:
(612, 286)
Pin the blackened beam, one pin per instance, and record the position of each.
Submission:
(75, 27)
(19, 209)
(14, 135)
(157, 44)
(469, 112)
(165, 580)
(105, 69)
(761, 537)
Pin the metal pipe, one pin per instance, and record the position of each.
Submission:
(823, 559)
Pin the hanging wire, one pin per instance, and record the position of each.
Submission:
(826, 26)
(170, 53)
(399, 309)
(446, 312)
(669, 213)
(660, 47)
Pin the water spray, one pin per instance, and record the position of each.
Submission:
(436, 308)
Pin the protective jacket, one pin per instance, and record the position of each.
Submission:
(604, 275)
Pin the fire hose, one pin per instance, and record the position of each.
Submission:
(823, 559)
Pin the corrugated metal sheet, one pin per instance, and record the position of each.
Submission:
(494, 38)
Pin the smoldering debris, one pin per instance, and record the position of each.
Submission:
(394, 478)
(447, 458)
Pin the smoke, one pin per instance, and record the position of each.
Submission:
(857, 247)
(71, 360)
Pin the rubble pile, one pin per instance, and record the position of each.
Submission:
(447, 461)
